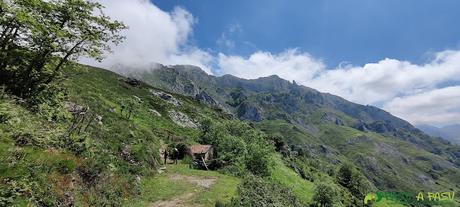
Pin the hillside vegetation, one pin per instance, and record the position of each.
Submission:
(75, 135)
(115, 160)
(308, 125)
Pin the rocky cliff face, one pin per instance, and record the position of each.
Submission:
(273, 98)
(228, 91)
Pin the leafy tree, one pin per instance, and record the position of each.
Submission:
(345, 175)
(353, 180)
(324, 195)
(39, 37)
(258, 160)
(211, 132)
(231, 149)
(238, 144)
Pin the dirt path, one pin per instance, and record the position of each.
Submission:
(181, 200)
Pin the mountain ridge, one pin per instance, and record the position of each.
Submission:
(309, 137)
(376, 141)
(195, 76)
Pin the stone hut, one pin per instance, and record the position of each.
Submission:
(205, 152)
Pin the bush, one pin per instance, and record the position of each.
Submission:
(324, 195)
(90, 171)
(231, 149)
(345, 174)
(23, 139)
(6, 196)
(147, 154)
(65, 166)
(257, 192)
(237, 169)
(239, 145)
(75, 143)
(353, 180)
(49, 103)
(258, 161)
(4, 117)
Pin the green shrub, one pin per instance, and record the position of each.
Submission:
(324, 195)
(240, 145)
(6, 195)
(74, 143)
(23, 139)
(231, 149)
(4, 117)
(65, 166)
(258, 160)
(147, 154)
(349, 177)
(257, 192)
(237, 169)
(90, 171)
(345, 175)
(49, 103)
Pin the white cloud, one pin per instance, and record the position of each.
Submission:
(412, 91)
(438, 106)
(389, 83)
(290, 65)
(381, 82)
(154, 36)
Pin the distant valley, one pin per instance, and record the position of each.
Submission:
(449, 132)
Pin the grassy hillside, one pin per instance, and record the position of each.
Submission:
(109, 159)
(100, 163)
(180, 185)
(110, 156)
(316, 132)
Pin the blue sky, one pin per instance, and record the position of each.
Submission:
(354, 31)
(399, 55)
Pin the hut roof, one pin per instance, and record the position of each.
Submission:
(199, 149)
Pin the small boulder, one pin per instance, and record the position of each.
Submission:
(98, 119)
(182, 119)
(166, 97)
(132, 82)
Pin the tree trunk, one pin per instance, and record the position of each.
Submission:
(4, 46)
(63, 61)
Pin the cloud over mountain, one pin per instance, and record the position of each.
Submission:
(421, 93)
(411, 91)
(154, 36)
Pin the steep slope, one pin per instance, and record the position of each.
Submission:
(391, 152)
(104, 151)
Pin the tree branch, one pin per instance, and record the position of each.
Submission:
(63, 61)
